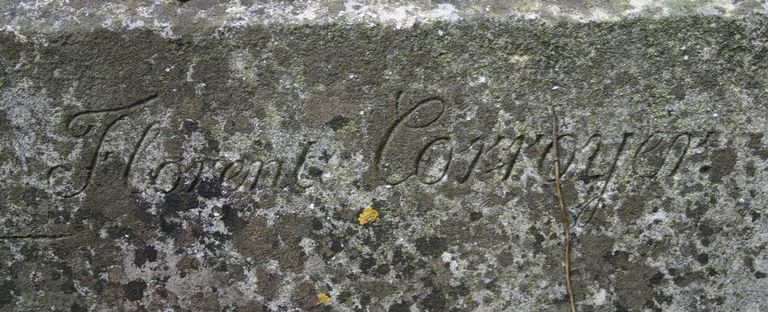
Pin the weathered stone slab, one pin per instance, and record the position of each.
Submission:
(222, 165)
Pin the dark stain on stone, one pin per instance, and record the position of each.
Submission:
(650, 304)
(660, 298)
(382, 269)
(702, 258)
(366, 264)
(209, 188)
(168, 225)
(723, 162)
(365, 300)
(230, 217)
(618, 259)
(755, 143)
(400, 307)
(435, 301)
(506, 258)
(634, 206)
(697, 210)
(750, 263)
(620, 308)
(719, 300)
(6, 293)
(77, 308)
(134, 290)
(712, 272)
(431, 246)
(750, 169)
(268, 282)
(315, 172)
(475, 215)
(424, 201)
(537, 244)
(68, 287)
(179, 201)
(657, 278)
(280, 242)
(337, 122)
(326, 156)
(707, 231)
(190, 126)
(148, 253)
(685, 279)
(637, 285)
(407, 271)
(337, 246)
(317, 224)
(187, 262)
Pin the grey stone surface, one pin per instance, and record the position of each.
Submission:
(195, 156)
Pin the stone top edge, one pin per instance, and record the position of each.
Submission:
(173, 17)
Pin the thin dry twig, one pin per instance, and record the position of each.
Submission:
(563, 215)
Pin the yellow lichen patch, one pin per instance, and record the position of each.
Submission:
(368, 215)
(323, 298)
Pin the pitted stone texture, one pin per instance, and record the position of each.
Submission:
(225, 169)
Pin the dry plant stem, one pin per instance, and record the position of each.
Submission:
(563, 215)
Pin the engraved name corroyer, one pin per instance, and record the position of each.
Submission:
(441, 155)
